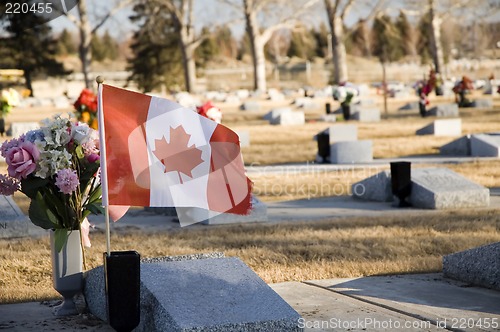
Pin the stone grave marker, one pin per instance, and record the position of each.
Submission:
(275, 112)
(13, 223)
(289, 119)
(432, 188)
(484, 145)
(200, 294)
(365, 114)
(19, 128)
(244, 136)
(348, 152)
(441, 188)
(445, 127)
(374, 188)
(444, 111)
(458, 147)
(478, 266)
(482, 103)
(252, 106)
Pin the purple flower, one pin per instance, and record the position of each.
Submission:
(67, 180)
(21, 160)
(8, 185)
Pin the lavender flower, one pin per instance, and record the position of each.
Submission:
(8, 185)
(67, 180)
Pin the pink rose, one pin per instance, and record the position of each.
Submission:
(21, 160)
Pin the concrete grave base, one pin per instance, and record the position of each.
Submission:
(365, 114)
(13, 222)
(478, 266)
(212, 294)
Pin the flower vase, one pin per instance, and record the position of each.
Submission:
(67, 272)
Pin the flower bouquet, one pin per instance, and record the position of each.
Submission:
(8, 99)
(57, 167)
(86, 108)
(461, 89)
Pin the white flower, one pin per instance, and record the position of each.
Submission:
(10, 96)
(81, 133)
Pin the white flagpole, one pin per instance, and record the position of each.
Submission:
(104, 173)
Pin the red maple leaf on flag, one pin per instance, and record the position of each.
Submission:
(177, 155)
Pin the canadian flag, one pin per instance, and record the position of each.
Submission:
(161, 154)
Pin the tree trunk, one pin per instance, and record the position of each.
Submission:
(435, 40)
(253, 35)
(189, 67)
(260, 66)
(85, 31)
(338, 51)
(28, 81)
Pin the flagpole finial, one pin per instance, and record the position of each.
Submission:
(99, 79)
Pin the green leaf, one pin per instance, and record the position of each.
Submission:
(32, 185)
(95, 195)
(38, 214)
(79, 152)
(60, 236)
(95, 208)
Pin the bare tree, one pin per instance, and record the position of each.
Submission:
(262, 19)
(337, 11)
(87, 31)
(440, 11)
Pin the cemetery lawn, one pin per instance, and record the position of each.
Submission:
(343, 247)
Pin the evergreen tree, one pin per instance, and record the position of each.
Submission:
(386, 40)
(302, 44)
(321, 40)
(423, 44)
(112, 48)
(360, 39)
(225, 42)
(66, 44)
(156, 59)
(29, 46)
(207, 50)
(407, 35)
(98, 48)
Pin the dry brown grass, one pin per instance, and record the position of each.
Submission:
(276, 252)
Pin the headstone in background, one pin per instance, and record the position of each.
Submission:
(348, 152)
(289, 119)
(482, 103)
(244, 136)
(485, 145)
(242, 93)
(275, 112)
(19, 128)
(252, 106)
(458, 147)
(445, 127)
(441, 188)
(374, 188)
(412, 106)
(444, 111)
(13, 222)
(364, 114)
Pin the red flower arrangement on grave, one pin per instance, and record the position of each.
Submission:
(86, 108)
